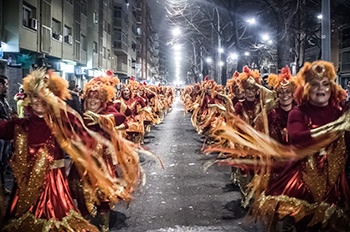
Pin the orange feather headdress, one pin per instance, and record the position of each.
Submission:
(248, 77)
(104, 85)
(318, 69)
(40, 82)
(283, 80)
(133, 85)
(234, 81)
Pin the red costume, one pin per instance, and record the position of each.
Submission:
(44, 194)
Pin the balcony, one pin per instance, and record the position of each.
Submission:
(122, 24)
(122, 67)
(120, 47)
(139, 19)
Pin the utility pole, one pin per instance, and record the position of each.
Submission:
(326, 31)
(219, 49)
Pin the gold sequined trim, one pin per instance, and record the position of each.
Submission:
(73, 222)
(325, 213)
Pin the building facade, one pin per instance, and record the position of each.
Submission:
(78, 39)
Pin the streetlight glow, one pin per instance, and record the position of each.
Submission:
(234, 56)
(209, 60)
(246, 53)
(176, 31)
(251, 21)
(265, 37)
(177, 47)
(220, 50)
(319, 16)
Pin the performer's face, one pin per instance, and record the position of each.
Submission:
(93, 102)
(209, 89)
(239, 92)
(38, 105)
(320, 91)
(285, 97)
(141, 92)
(250, 93)
(126, 93)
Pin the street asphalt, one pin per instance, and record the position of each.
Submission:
(182, 196)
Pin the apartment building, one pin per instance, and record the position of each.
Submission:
(79, 39)
(73, 37)
(125, 30)
(135, 43)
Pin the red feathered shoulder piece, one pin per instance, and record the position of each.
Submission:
(109, 73)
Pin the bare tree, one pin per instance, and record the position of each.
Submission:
(211, 24)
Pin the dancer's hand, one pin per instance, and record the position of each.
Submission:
(93, 117)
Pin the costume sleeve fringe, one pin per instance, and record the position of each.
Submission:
(79, 143)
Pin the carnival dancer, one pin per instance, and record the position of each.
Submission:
(41, 199)
(150, 118)
(235, 89)
(248, 110)
(135, 129)
(235, 94)
(105, 120)
(200, 117)
(284, 85)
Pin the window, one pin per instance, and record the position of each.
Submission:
(29, 16)
(345, 38)
(56, 29)
(345, 61)
(94, 47)
(95, 17)
(101, 44)
(104, 53)
(109, 28)
(120, 35)
(67, 32)
(138, 31)
(118, 12)
(108, 54)
(83, 7)
(83, 43)
(70, 1)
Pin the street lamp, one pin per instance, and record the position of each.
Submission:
(251, 21)
(265, 37)
(176, 31)
(233, 56)
(209, 60)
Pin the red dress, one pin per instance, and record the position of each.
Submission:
(42, 195)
